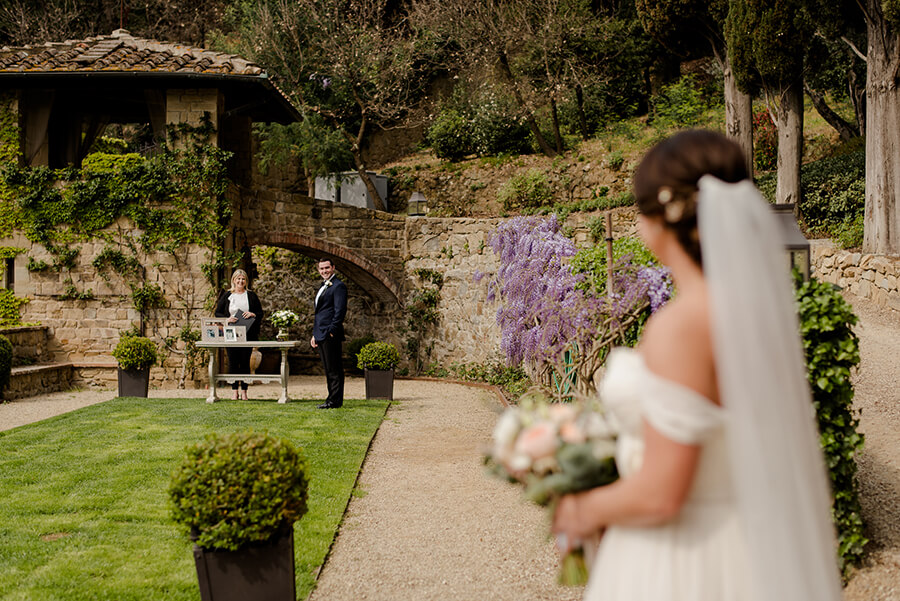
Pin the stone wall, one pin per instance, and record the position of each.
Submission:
(873, 277)
(189, 105)
(30, 344)
(85, 331)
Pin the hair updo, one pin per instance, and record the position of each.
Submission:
(665, 182)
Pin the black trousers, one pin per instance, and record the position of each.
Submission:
(238, 363)
(330, 350)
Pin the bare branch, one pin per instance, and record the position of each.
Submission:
(854, 48)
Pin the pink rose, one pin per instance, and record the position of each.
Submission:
(538, 441)
(571, 433)
(562, 412)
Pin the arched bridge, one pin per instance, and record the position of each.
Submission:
(367, 246)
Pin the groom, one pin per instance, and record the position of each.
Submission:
(328, 331)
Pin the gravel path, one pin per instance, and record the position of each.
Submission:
(428, 524)
(878, 398)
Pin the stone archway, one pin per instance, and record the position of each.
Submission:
(369, 276)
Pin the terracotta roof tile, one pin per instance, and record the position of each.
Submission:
(122, 52)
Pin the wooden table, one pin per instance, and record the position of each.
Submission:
(215, 377)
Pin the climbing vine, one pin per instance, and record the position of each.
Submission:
(175, 199)
(832, 352)
(422, 314)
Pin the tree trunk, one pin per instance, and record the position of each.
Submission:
(845, 129)
(858, 98)
(790, 143)
(356, 150)
(738, 114)
(529, 116)
(310, 182)
(582, 119)
(882, 220)
(555, 115)
(370, 185)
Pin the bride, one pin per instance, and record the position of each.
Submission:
(723, 493)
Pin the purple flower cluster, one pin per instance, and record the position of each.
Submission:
(542, 314)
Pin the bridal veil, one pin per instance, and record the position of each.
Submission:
(777, 465)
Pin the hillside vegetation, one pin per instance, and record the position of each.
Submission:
(596, 174)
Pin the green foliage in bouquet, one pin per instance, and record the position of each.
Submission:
(135, 352)
(579, 469)
(378, 355)
(832, 351)
(6, 356)
(237, 489)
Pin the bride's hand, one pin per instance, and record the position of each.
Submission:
(569, 525)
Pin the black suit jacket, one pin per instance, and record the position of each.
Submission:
(330, 312)
(255, 308)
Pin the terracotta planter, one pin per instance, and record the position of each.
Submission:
(380, 384)
(134, 382)
(263, 572)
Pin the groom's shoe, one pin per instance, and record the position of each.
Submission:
(328, 406)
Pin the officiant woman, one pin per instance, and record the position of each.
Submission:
(240, 302)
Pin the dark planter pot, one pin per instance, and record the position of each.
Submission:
(380, 384)
(263, 572)
(134, 382)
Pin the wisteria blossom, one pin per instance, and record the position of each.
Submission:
(543, 314)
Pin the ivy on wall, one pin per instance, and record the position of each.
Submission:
(832, 352)
(175, 199)
(422, 314)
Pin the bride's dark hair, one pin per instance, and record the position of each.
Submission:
(665, 183)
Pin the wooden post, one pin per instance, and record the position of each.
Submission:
(609, 253)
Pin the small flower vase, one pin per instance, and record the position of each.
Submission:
(282, 334)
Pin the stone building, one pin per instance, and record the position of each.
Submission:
(58, 100)
(63, 95)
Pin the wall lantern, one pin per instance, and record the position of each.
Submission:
(416, 204)
(795, 244)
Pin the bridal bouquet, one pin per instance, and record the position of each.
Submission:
(283, 319)
(553, 449)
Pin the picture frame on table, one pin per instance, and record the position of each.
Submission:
(212, 329)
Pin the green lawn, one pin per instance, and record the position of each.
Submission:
(83, 506)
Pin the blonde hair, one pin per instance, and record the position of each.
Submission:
(236, 273)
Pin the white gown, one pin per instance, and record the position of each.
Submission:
(699, 556)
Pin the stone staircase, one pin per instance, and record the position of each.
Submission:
(34, 372)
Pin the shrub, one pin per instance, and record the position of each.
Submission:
(615, 160)
(6, 356)
(495, 128)
(354, 346)
(832, 199)
(135, 352)
(378, 355)
(832, 351)
(513, 380)
(450, 136)
(834, 191)
(529, 190)
(765, 141)
(238, 489)
(680, 104)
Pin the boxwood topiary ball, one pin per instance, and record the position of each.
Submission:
(237, 489)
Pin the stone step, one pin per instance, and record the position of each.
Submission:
(32, 380)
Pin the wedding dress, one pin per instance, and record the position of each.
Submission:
(756, 525)
(700, 555)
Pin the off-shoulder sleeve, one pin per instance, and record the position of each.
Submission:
(677, 412)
